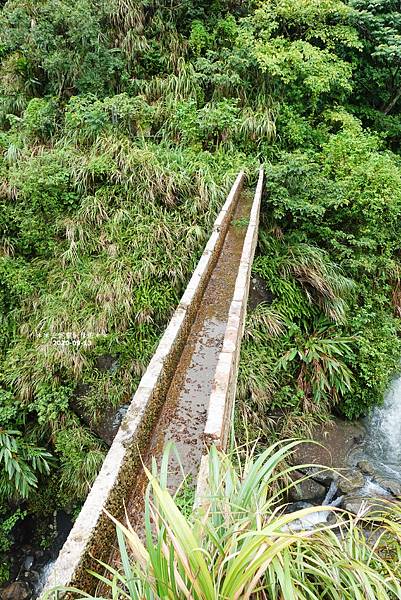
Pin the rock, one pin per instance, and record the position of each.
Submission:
(323, 476)
(333, 518)
(28, 562)
(354, 505)
(394, 487)
(258, 292)
(360, 504)
(350, 481)
(305, 489)
(299, 505)
(106, 362)
(366, 467)
(18, 590)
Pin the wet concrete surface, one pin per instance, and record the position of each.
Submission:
(183, 416)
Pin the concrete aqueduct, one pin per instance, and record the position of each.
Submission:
(186, 394)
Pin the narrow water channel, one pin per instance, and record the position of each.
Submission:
(184, 413)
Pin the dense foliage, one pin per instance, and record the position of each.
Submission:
(327, 338)
(122, 126)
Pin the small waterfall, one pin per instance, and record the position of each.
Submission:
(43, 575)
(383, 432)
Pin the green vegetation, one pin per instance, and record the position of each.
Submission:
(122, 126)
(243, 544)
(328, 340)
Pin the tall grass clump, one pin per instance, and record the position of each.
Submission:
(243, 543)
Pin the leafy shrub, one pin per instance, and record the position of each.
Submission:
(332, 248)
(8, 521)
(39, 118)
(22, 463)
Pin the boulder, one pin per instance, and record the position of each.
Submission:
(355, 505)
(322, 475)
(358, 504)
(393, 486)
(350, 481)
(335, 440)
(258, 292)
(298, 505)
(28, 562)
(366, 467)
(333, 518)
(305, 489)
(18, 590)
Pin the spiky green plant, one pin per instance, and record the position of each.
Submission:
(287, 259)
(320, 361)
(243, 544)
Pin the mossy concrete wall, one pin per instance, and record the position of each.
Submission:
(93, 533)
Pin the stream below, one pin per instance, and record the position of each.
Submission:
(381, 445)
(364, 460)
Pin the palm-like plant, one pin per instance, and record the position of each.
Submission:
(321, 371)
(243, 544)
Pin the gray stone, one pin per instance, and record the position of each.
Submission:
(18, 590)
(305, 489)
(323, 476)
(28, 562)
(333, 518)
(106, 362)
(357, 504)
(366, 467)
(350, 481)
(258, 292)
(298, 505)
(394, 487)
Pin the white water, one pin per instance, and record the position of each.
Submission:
(43, 575)
(382, 445)
(371, 489)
